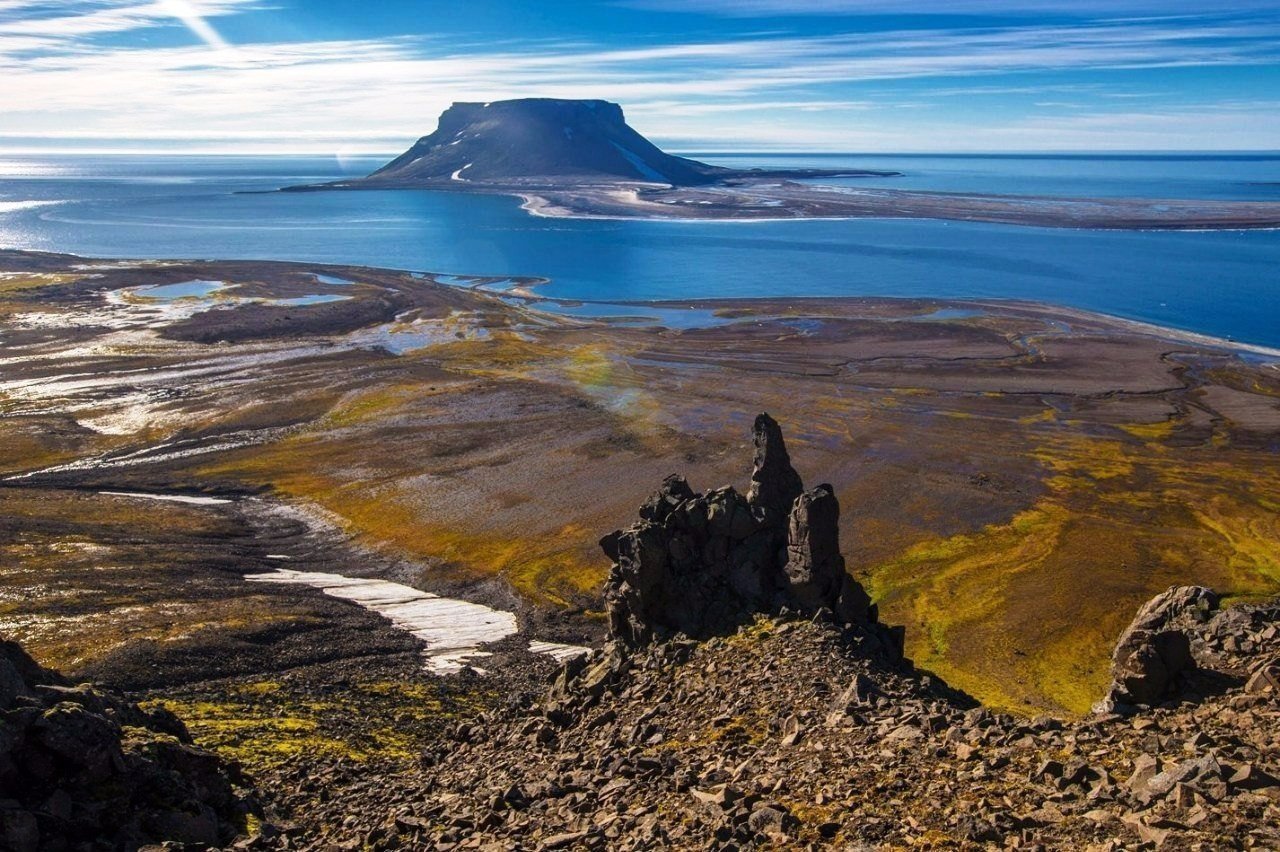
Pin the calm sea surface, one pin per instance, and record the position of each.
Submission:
(1224, 283)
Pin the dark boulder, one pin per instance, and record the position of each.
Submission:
(81, 768)
(1155, 650)
(695, 566)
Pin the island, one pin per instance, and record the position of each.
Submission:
(580, 158)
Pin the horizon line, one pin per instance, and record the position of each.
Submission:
(679, 151)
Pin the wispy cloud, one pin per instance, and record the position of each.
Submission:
(1002, 8)
(31, 25)
(1249, 124)
(62, 77)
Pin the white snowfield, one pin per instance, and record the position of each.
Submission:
(559, 652)
(452, 629)
(170, 498)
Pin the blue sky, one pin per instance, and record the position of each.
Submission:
(834, 75)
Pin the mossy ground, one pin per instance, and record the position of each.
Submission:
(15, 282)
(1022, 614)
(268, 724)
(1015, 594)
(450, 515)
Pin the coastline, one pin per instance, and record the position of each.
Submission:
(766, 201)
(528, 293)
(762, 203)
(525, 289)
(540, 207)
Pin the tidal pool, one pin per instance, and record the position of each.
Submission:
(182, 290)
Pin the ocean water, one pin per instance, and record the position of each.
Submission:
(1235, 177)
(1225, 284)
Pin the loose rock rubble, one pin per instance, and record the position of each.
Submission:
(85, 770)
(794, 733)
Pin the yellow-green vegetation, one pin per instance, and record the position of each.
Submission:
(264, 741)
(264, 724)
(30, 443)
(810, 816)
(20, 452)
(504, 355)
(12, 282)
(1023, 614)
(545, 568)
(72, 588)
(364, 406)
(551, 564)
(1158, 431)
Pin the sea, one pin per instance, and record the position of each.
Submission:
(1220, 283)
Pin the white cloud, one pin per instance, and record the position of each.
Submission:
(1195, 127)
(1003, 8)
(59, 24)
(59, 83)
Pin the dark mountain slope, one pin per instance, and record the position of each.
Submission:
(545, 142)
(541, 137)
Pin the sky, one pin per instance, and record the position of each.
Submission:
(335, 76)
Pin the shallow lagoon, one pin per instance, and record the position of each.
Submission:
(181, 290)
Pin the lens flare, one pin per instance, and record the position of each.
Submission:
(184, 11)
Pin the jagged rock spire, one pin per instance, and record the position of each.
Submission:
(775, 485)
(702, 564)
(815, 568)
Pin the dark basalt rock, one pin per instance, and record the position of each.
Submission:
(1155, 650)
(703, 564)
(85, 769)
(775, 485)
(815, 568)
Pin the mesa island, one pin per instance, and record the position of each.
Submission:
(580, 158)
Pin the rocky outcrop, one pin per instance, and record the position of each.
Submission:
(815, 569)
(84, 769)
(1155, 650)
(775, 485)
(703, 564)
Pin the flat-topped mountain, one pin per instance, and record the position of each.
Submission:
(540, 137)
(545, 142)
